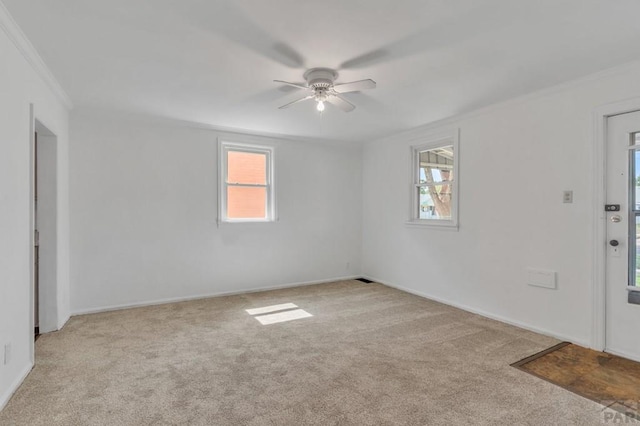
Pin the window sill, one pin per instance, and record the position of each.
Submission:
(245, 221)
(445, 225)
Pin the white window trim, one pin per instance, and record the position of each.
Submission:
(224, 146)
(447, 138)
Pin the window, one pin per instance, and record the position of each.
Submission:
(246, 183)
(434, 188)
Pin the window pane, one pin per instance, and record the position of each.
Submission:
(436, 165)
(246, 167)
(435, 202)
(246, 202)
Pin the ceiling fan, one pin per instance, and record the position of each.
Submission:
(320, 82)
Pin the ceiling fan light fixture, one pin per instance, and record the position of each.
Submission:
(320, 82)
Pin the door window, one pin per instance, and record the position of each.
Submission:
(634, 210)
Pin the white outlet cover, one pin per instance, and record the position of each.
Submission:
(567, 197)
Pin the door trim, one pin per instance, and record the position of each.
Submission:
(598, 280)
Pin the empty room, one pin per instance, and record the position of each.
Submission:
(418, 212)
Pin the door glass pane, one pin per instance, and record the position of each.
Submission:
(435, 202)
(634, 205)
(635, 261)
(246, 202)
(436, 165)
(635, 183)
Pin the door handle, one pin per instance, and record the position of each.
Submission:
(614, 243)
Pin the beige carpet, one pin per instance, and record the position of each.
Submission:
(369, 355)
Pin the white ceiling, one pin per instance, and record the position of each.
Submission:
(213, 61)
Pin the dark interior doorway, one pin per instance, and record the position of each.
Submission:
(36, 247)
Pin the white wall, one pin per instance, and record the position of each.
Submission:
(144, 208)
(516, 159)
(21, 86)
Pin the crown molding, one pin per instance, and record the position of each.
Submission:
(29, 52)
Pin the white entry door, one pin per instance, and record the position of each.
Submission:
(623, 236)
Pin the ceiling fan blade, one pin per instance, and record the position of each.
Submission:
(370, 58)
(288, 56)
(355, 86)
(341, 103)
(296, 101)
(299, 86)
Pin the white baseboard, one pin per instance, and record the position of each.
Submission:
(6, 396)
(204, 296)
(485, 314)
(623, 354)
(64, 322)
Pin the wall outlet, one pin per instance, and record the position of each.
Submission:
(7, 353)
(541, 278)
(567, 197)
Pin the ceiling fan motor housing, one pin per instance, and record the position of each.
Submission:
(320, 78)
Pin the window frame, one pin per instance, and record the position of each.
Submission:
(224, 147)
(444, 139)
(633, 212)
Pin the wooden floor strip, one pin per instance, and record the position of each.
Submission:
(607, 379)
(540, 354)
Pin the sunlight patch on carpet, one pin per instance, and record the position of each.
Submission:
(283, 316)
(272, 308)
(278, 313)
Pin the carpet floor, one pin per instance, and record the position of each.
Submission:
(368, 355)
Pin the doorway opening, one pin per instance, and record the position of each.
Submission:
(45, 229)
